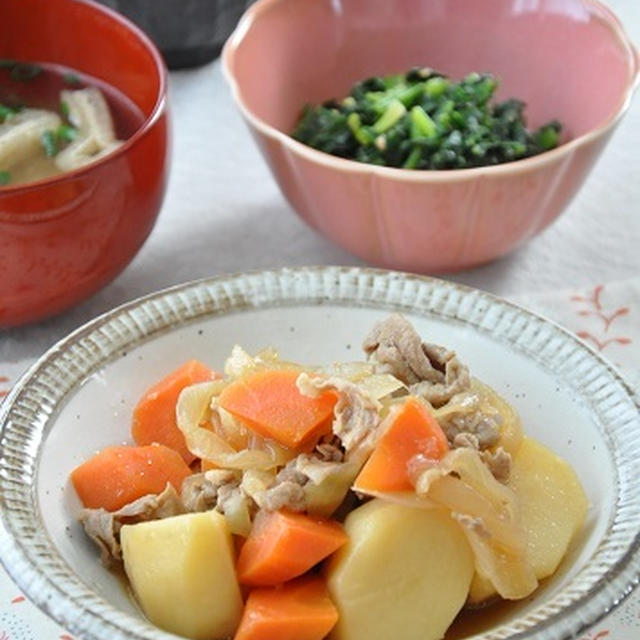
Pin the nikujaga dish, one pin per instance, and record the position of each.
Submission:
(285, 501)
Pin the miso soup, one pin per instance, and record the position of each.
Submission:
(54, 119)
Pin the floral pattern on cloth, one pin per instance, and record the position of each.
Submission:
(21, 620)
(606, 317)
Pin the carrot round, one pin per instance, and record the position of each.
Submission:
(119, 475)
(299, 610)
(413, 434)
(270, 403)
(283, 545)
(154, 418)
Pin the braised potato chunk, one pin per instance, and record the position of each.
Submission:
(182, 573)
(553, 507)
(405, 573)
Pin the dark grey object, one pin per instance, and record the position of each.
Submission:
(188, 32)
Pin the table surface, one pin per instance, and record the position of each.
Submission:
(224, 213)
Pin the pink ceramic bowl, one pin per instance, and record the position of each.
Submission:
(568, 59)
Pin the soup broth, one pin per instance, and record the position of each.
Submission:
(39, 86)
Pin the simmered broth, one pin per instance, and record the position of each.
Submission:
(28, 86)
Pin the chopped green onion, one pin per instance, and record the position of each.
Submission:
(25, 71)
(547, 137)
(435, 87)
(64, 108)
(419, 73)
(411, 94)
(66, 133)
(7, 63)
(71, 78)
(5, 178)
(393, 80)
(422, 126)
(414, 158)
(361, 134)
(394, 112)
(6, 112)
(349, 102)
(48, 140)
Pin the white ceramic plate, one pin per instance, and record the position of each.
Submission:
(79, 396)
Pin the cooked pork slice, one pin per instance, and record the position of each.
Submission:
(288, 491)
(356, 414)
(430, 371)
(468, 440)
(499, 463)
(482, 428)
(395, 347)
(219, 489)
(200, 491)
(103, 526)
(329, 450)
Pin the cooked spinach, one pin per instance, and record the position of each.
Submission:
(424, 120)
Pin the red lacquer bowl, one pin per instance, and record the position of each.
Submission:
(63, 238)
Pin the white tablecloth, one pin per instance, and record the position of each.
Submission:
(224, 213)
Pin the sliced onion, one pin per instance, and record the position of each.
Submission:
(232, 431)
(240, 363)
(506, 568)
(255, 484)
(488, 513)
(511, 432)
(237, 513)
(402, 498)
(381, 385)
(352, 371)
(324, 498)
(483, 399)
(193, 410)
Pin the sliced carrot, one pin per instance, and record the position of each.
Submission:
(283, 545)
(298, 610)
(118, 475)
(414, 434)
(154, 418)
(270, 404)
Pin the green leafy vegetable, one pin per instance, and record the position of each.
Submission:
(64, 108)
(391, 115)
(25, 71)
(424, 120)
(71, 78)
(50, 143)
(5, 178)
(7, 63)
(547, 137)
